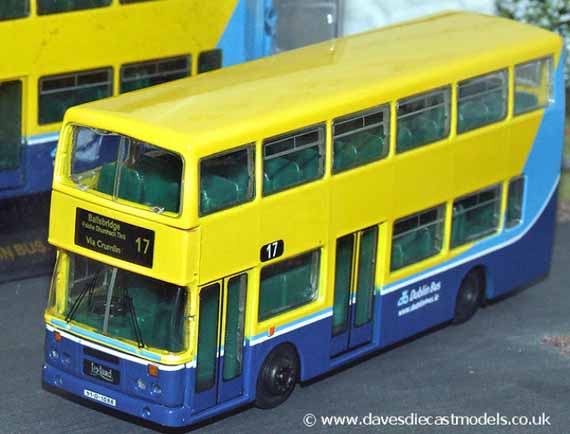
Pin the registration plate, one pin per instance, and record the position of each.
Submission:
(98, 397)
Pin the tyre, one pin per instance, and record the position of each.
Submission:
(469, 297)
(277, 377)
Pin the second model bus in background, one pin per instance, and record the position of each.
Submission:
(221, 238)
(60, 54)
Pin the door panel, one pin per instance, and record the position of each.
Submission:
(10, 124)
(361, 331)
(231, 383)
(219, 369)
(354, 290)
(206, 363)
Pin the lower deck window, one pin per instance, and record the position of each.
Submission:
(10, 124)
(288, 284)
(515, 202)
(475, 216)
(417, 237)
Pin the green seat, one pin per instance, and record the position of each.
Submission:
(106, 182)
(131, 185)
(370, 148)
(161, 177)
(273, 295)
(405, 139)
(280, 173)
(472, 114)
(525, 101)
(345, 155)
(428, 130)
(297, 284)
(216, 193)
(308, 161)
(495, 105)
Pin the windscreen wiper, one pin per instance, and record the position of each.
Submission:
(133, 317)
(88, 288)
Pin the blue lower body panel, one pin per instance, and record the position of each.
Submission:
(35, 173)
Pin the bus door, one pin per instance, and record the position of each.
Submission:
(10, 133)
(353, 305)
(219, 361)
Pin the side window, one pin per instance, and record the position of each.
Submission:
(515, 202)
(209, 60)
(360, 138)
(475, 216)
(227, 180)
(293, 158)
(423, 119)
(12, 9)
(288, 284)
(533, 85)
(59, 92)
(417, 237)
(52, 7)
(144, 74)
(482, 100)
(10, 124)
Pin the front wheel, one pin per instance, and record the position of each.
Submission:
(277, 377)
(469, 297)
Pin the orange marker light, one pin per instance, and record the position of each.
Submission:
(271, 331)
(152, 371)
(57, 336)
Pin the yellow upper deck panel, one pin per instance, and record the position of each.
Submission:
(119, 33)
(208, 114)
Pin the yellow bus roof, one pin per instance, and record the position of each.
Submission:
(225, 108)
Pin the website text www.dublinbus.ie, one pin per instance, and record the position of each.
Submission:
(416, 420)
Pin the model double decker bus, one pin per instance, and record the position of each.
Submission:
(224, 237)
(66, 52)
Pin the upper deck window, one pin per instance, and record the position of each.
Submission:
(126, 168)
(59, 92)
(423, 119)
(533, 85)
(144, 74)
(55, 6)
(209, 60)
(293, 158)
(360, 138)
(12, 9)
(482, 100)
(227, 180)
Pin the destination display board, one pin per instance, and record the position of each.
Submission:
(114, 238)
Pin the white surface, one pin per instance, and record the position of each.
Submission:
(362, 15)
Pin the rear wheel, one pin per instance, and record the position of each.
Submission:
(469, 297)
(277, 377)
